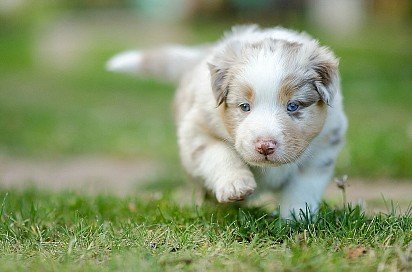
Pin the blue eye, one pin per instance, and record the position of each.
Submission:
(244, 107)
(292, 106)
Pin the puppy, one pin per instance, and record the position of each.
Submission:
(260, 106)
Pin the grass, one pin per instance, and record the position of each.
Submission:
(42, 231)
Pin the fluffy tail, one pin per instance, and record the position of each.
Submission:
(167, 63)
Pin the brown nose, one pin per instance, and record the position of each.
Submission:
(265, 147)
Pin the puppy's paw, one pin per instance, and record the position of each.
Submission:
(235, 188)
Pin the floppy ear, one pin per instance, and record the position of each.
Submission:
(326, 65)
(219, 81)
(219, 70)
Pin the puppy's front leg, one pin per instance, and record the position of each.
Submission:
(225, 173)
(303, 191)
(219, 166)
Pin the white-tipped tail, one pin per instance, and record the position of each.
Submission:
(166, 63)
(127, 62)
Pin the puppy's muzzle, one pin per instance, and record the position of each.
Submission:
(265, 147)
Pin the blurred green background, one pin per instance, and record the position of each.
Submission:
(56, 99)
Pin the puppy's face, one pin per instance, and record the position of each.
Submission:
(273, 97)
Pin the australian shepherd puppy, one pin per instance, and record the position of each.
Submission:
(260, 107)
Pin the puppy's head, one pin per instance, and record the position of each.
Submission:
(273, 96)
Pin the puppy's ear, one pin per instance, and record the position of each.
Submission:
(219, 70)
(325, 64)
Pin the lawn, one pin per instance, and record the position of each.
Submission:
(70, 232)
(50, 112)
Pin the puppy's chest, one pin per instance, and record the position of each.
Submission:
(274, 177)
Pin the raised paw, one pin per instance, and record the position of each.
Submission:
(234, 189)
